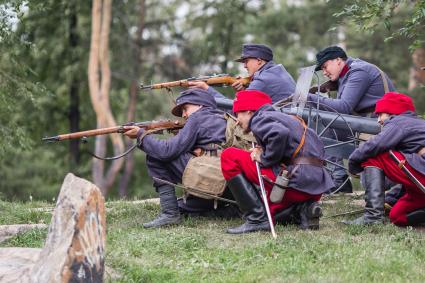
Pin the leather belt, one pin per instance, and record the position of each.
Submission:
(308, 160)
(211, 149)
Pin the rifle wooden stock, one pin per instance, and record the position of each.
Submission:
(213, 80)
(151, 125)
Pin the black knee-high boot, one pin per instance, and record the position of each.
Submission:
(250, 204)
(309, 213)
(306, 215)
(374, 197)
(287, 216)
(416, 217)
(169, 209)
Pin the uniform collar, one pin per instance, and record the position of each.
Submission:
(266, 66)
(344, 70)
(266, 107)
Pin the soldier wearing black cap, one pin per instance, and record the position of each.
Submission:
(266, 76)
(359, 85)
(167, 159)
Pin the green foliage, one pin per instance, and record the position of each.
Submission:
(18, 90)
(370, 14)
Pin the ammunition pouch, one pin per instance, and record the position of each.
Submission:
(203, 174)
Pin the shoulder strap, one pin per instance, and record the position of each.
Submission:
(384, 79)
(301, 144)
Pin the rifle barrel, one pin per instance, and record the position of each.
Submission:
(89, 133)
(151, 125)
(213, 80)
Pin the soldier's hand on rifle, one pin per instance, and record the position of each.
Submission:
(325, 87)
(238, 84)
(131, 131)
(256, 154)
(198, 84)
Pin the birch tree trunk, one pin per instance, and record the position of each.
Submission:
(99, 76)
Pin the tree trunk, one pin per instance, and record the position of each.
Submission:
(417, 75)
(99, 83)
(132, 101)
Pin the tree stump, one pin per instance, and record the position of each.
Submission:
(75, 246)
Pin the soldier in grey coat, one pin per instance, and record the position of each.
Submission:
(166, 159)
(403, 132)
(284, 142)
(266, 76)
(359, 85)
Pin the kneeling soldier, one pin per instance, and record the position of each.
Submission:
(167, 159)
(285, 143)
(403, 134)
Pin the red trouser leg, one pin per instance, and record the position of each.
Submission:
(406, 204)
(236, 161)
(414, 197)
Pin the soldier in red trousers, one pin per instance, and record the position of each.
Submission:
(285, 144)
(403, 134)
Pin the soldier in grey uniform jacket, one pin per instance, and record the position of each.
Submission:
(285, 143)
(359, 85)
(167, 159)
(403, 133)
(266, 76)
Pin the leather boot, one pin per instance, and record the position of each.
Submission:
(416, 217)
(250, 204)
(309, 215)
(374, 196)
(169, 209)
(287, 216)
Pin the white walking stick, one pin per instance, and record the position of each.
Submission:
(264, 196)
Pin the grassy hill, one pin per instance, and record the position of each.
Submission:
(200, 251)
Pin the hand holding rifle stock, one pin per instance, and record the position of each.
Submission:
(221, 79)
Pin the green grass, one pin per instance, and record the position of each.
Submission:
(200, 251)
(24, 213)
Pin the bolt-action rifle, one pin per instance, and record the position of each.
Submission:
(221, 79)
(150, 125)
(325, 87)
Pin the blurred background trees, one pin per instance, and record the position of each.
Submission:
(45, 48)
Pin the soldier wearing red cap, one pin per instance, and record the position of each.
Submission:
(284, 142)
(403, 132)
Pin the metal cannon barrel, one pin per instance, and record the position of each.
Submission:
(357, 124)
